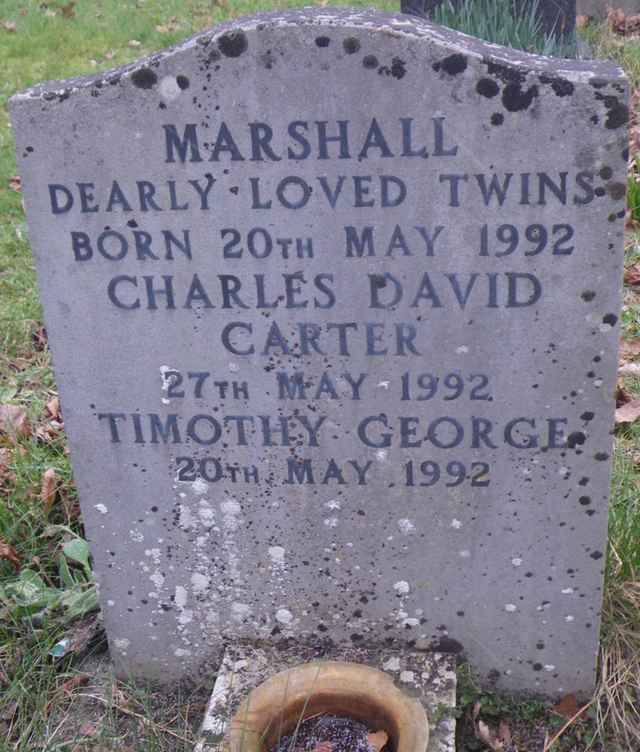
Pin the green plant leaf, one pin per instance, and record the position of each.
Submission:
(65, 573)
(79, 602)
(77, 550)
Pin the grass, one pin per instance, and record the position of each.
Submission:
(63, 704)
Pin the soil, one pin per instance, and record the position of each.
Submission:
(327, 733)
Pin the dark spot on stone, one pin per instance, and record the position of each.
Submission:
(540, 645)
(625, 155)
(583, 481)
(617, 116)
(183, 82)
(453, 65)
(398, 68)
(538, 666)
(144, 78)
(497, 118)
(357, 614)
(515, 99)
(351, 45)
(29, 149)
(213, 56)
(617, 191)
(600, 191)
(585, 501)
(594, 119)
(132, 223)
(355, 637)
(600, 456)
(606, 173)
(322, 628)
(560, 86)
(598, 83)
(587, 416)
(595, 555)
(154, 508)
(610, 319)
(370, 61)
(448, 645)
(487, 87)
(322, 41)
(588, 296)
(459, 613)
(576, 438)
(162, 106)
(233, 44)
(505, 73)
(590, 512)
(234, 189)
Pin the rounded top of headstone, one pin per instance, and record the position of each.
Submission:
(231, 41)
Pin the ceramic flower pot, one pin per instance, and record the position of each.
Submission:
(278, 705)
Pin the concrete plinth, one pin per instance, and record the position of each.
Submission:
(429, 677)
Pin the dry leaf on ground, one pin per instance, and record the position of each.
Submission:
(68, 10)
(8, 25)
(629, 369)
(8, 553)
(629, 349)
(377, 740)
(567, 707)
(632, 275)
(623, 396)
(14, 421)
(134, 43)
(48, 488)
(629, 412)
(53, 408)
(15, 183)
(80, 680)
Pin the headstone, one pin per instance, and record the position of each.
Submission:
(557, 17)
(332, 297)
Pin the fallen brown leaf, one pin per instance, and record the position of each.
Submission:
(14, 421)
(567, 707)
(622, 393)
(617, 20)
(488, 737)
(8, 553)
(68, 9)
(80, 680)
(39, 338)
(377, 740)
(582, 21)
(48, 488)
(632, 275)
(8, 25)
(629, 412)
(15, 183)
(53, 408)
(629, 349)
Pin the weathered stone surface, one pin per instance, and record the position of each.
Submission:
(439, 474)
(429, 677)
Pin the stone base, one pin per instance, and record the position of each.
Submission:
(430, 677)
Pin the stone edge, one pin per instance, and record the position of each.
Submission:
(398, 25)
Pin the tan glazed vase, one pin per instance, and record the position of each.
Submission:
(274, 708)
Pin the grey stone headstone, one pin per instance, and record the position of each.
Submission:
(332, 298)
